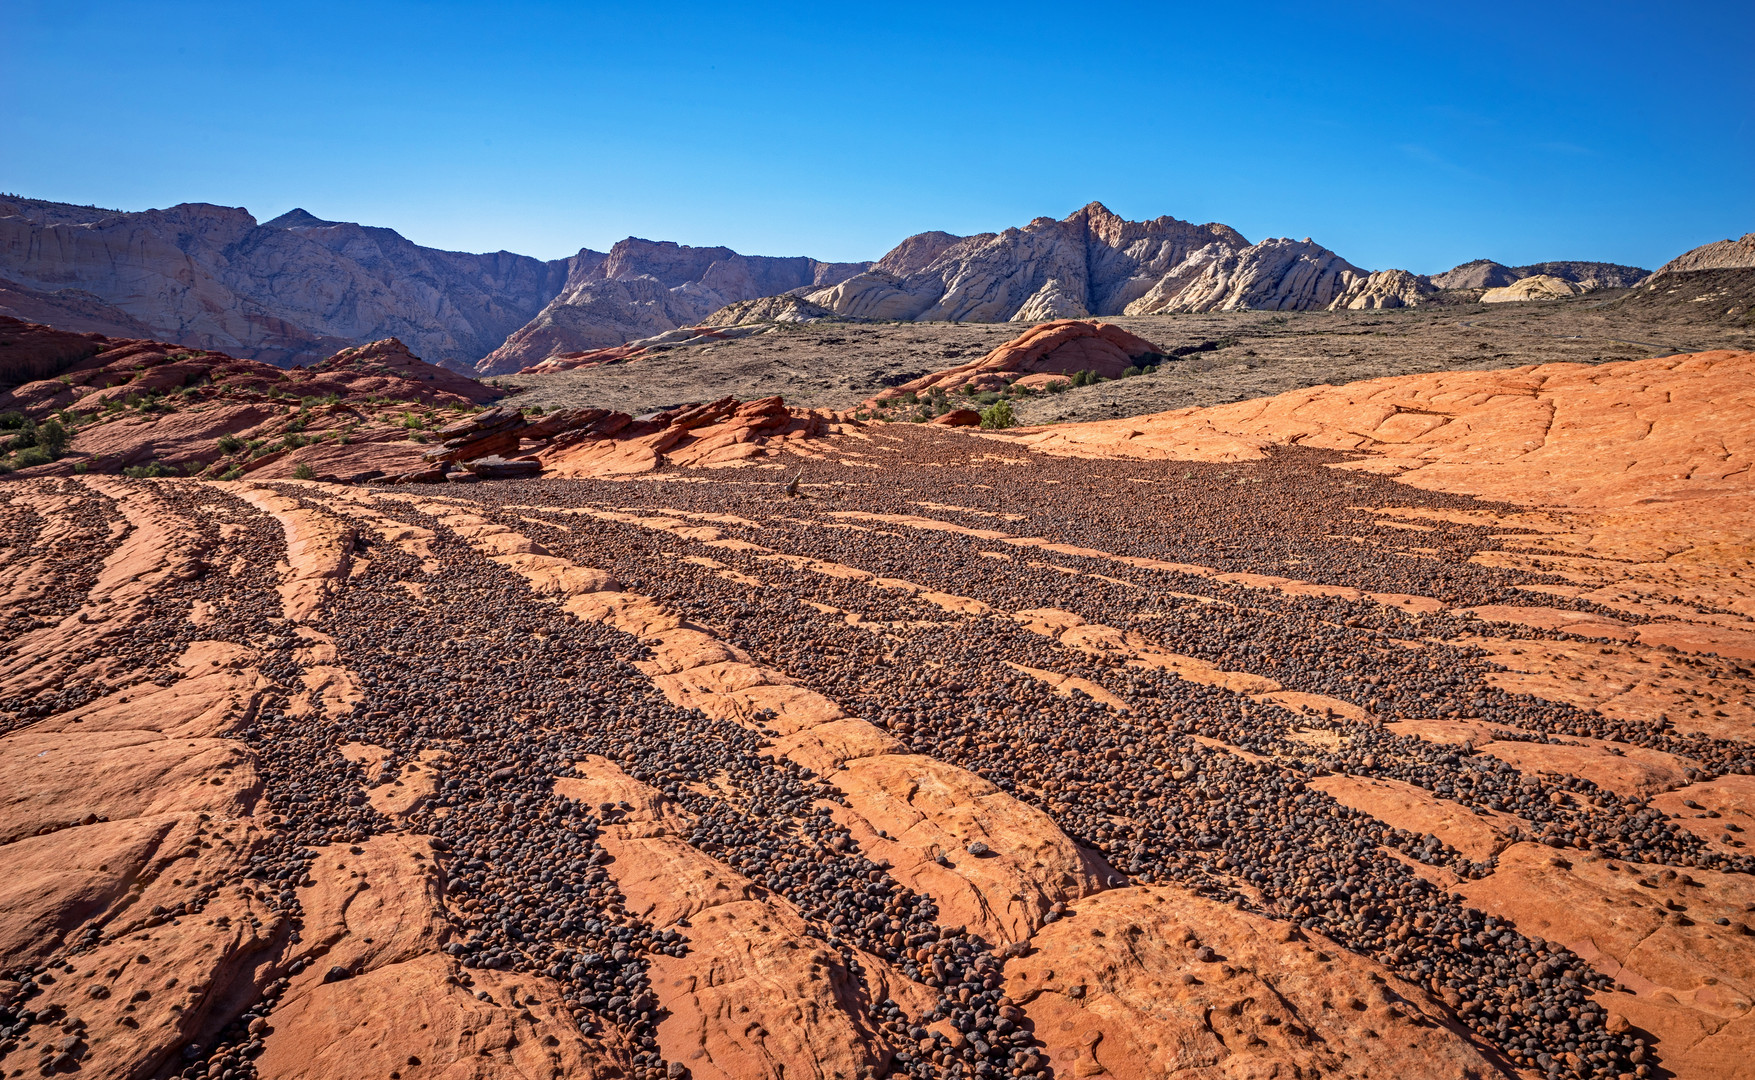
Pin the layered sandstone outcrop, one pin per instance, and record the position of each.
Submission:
(133, 403)
(1042, 354)
(1384, 289)
(1537, 287)
(768, 309)
(370, 413)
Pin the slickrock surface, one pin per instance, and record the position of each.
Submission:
(1393, 729)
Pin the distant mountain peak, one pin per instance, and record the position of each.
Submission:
(298, 218)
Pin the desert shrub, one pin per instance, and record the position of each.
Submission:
(1132, 372)
(230, 444)
(303, 471)
(907, 397)
(82, 467)
(232, 473)
(998, 415)
(1086, 378)
(52, 437)
(12, 420)
(32, 455)
(987, 397)
(150, 469)
(1058, 386)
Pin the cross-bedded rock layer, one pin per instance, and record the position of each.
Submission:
(1050, 757)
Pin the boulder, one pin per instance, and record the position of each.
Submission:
(959, 418)
(499, 468)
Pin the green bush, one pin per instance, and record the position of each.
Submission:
(1132, 372)
(230, 444)
(82, 467)
(998, 415)
(52, 437)
(303, 471)
(150, 469)
(33, 455)
(12, 420)
(1086, 378)
(232, 473)
(1058, 386)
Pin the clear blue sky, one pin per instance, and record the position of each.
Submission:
(1398, 134)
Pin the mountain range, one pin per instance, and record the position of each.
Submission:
(297, 288)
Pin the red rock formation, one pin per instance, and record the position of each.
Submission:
(134, 403)
(714, 435)
(1038, 356)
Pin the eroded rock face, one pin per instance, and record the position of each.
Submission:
(1384, 289)
(768, 309)
(293, 290)
(1092, 263)
(643, 288)
(147, 404)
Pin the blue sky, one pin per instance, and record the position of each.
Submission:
(1405, 135)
